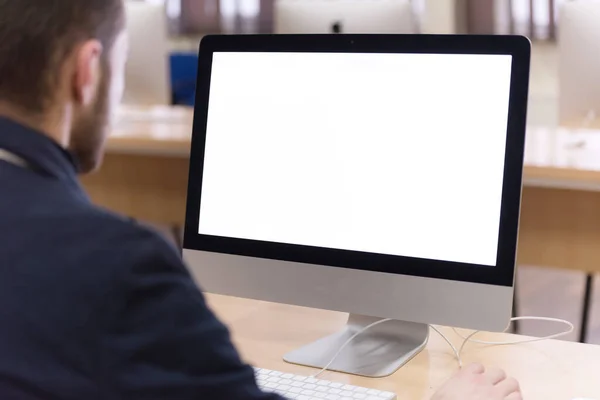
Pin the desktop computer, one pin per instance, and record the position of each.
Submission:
(147, 80)
(579, 62)
(343, 16)
(377, 175)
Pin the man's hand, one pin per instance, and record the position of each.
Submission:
(476, 383)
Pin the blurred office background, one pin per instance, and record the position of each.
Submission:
(564, 91)
(189, 20)
(537, 19)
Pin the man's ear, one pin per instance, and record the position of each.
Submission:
(87, 72)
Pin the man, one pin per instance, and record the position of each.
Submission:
(93, 306)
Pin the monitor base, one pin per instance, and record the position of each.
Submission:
(377, 352)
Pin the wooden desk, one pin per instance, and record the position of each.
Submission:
(547, 370)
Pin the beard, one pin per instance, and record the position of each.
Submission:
(90, 130)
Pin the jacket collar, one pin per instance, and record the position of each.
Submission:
(47, 156)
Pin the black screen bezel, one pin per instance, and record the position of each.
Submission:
(502, 274)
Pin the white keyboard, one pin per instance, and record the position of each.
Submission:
(299, 387)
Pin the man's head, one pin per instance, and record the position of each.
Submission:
(62, 68)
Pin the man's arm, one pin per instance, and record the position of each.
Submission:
(166, 343)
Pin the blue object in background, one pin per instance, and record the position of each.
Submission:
(184, 70)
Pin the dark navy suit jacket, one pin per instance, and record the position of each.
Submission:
(92, 305)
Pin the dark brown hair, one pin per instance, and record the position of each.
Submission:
(36, 36)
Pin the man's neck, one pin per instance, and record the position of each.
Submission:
(45, 124)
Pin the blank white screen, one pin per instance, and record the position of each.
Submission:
(399, 154)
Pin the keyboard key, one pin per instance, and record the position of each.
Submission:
(275, 373)
(336, 385)
(287, 376)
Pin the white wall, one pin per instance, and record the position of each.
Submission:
(439, 16)
(543, 88)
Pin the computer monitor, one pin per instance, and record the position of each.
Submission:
(343, 16)
(579, 62)
(147, 73)
(378, 175)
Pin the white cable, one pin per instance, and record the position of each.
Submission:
(462, 346)
(326, 367)
(456, 352)
(466, 339)
(554, 336)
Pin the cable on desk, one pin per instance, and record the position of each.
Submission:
(570, 329)
(342, 347)
(466, 339)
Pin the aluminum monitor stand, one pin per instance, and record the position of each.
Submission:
(380, 351)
